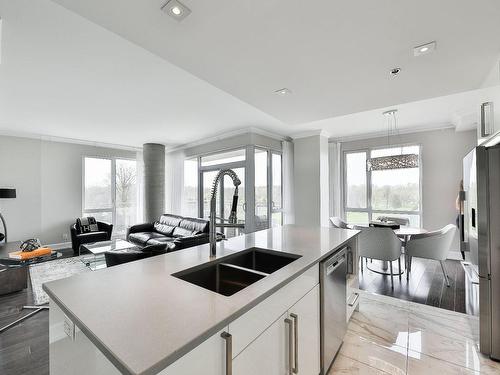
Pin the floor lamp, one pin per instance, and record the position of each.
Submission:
(6, 194)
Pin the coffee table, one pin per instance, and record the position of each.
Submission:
(14, 276)
(14, 272)
(96, 259)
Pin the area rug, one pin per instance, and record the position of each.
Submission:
(53, 270)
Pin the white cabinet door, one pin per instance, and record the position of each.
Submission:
(208, 358)
(305, 317)
(267, 354)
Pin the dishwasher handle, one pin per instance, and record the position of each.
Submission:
(336, 263)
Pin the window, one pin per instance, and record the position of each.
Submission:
(210, 165)
(370, 194)
(277, 190)
(265, 188)
(125, 194)
(190, 199)
(261, 190)
(110, 191)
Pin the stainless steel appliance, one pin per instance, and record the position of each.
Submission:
(333, 272)
(480, 229)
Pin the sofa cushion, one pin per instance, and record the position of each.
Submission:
(167, 224)
(160, 240)
(182, 232)
(194, 225)
(142, 238)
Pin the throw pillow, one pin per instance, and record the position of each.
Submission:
(87, 224)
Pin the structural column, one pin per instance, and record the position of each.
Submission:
(311, 176)
(154, 181)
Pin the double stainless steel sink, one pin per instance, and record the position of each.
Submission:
(233, 273)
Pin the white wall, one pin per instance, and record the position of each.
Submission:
(48, 179)
(442, 154)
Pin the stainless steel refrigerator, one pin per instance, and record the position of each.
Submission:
(480, 239)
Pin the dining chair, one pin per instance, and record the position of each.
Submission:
(433, 245)
(398, 220)
(380, 244)
(337, 222)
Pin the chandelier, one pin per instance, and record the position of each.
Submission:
(401, 161)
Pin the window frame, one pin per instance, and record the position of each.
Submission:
(249, 167)
(369, 209)
(111, 209)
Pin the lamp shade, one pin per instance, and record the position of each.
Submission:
(7, 193)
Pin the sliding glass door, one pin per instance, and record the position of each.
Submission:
(260, 193)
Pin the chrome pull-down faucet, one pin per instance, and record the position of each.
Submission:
(232, 217)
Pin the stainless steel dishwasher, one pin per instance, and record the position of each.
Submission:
(333, 272)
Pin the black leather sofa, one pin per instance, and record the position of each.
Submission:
(176, 232)
(116, 257)
(78, 238)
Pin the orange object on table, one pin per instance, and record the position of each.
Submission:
(31, 254)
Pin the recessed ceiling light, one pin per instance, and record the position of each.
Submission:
(283, 91)
(176, 10)
(424, 49)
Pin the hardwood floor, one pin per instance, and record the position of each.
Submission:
(426, 284)
(24, 348)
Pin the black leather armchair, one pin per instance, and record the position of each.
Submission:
(77, 238)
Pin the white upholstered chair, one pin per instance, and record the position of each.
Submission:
(337, 222)
(431, 245)
(380, 244)
(398, 220)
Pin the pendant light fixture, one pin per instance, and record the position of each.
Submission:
(400, 161)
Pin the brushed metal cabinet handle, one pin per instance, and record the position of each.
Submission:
(354, 300)
(229, 352)
(295, 318)
(290, 347)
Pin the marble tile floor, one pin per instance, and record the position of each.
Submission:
(393, 336)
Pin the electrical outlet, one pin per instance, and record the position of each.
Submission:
(65, 237)
(69, 328)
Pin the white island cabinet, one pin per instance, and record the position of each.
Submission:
(172, 327)
(268, 338)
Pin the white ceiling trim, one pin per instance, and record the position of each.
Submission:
(311, 133)
(49, 138)
(360, 137)
(252, 129)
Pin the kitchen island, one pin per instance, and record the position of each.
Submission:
(138, 318)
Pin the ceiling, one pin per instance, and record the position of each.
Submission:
(460, 111)
(333, 55)
(123, 72)
(63, 76)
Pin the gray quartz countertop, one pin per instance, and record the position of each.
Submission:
(143, 319)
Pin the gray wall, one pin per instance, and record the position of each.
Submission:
(311, 182)
(48, 179)
(442, 154)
